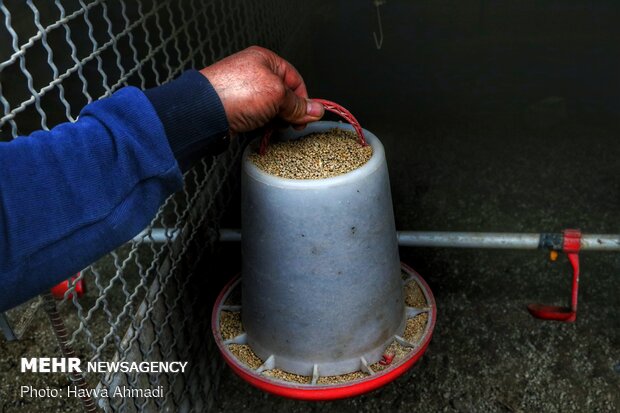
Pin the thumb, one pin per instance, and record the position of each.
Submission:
(298, 110)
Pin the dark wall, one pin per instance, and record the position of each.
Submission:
(467, 56)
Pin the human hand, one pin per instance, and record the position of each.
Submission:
(256, 85)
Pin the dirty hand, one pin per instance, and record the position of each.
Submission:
(256, 85)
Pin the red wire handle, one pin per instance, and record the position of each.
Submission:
(331, 107)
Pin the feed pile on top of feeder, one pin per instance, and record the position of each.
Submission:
(315, 156)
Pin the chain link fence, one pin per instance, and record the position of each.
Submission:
(142, 301)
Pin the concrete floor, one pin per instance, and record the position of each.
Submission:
(485, 133)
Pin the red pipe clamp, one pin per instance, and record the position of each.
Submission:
(571, 245)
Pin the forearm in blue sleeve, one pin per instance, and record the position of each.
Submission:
(72, 194)
(192, 115)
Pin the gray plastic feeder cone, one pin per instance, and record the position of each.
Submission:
(321, 272)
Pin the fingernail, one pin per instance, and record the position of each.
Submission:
(314, 109)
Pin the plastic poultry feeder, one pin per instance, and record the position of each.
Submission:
(322, 283)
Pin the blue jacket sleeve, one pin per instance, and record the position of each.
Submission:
(72, 194)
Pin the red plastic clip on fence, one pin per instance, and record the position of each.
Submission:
(331, 107)
(59, 290)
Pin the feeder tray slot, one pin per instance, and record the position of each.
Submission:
(413, 311)
(400, 340)
(365, 367)
(315, 374)
(240, 339)
(269, 364)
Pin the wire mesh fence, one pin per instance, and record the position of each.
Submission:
(141, 301)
